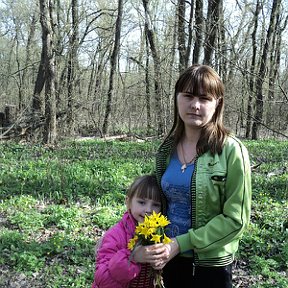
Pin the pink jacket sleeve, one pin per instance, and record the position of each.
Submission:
(113, 266)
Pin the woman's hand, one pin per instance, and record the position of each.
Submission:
(157, 255)
(149, 254)
(172, 249)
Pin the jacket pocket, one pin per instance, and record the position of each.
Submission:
(219, 181)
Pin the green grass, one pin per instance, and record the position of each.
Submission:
(56, 201)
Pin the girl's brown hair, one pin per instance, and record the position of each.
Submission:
(145, 187)
(213, 134)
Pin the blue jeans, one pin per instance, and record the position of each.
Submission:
(181, 270)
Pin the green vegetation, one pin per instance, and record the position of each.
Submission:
(56, 201)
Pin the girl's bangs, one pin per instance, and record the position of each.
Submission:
(149, 193)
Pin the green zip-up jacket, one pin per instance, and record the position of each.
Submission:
(221, 202)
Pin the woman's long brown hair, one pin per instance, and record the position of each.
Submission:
(213, 134)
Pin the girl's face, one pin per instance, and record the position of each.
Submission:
(140, 207)
(196, 110)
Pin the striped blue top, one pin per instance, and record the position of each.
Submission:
(176, 187)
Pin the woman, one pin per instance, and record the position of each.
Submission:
(204, 173)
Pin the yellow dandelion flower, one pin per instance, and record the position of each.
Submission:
(150, 231)
(166, 239)
(156, 238)
(163, 221)
(132, 242)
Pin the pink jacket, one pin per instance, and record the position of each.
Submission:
(113, 267)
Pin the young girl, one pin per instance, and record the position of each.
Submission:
(116, 265)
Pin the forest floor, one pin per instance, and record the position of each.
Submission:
(26, 167)
(241, 276)
(13, 279)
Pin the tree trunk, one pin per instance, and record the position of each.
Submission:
(21, 105)
(190, 34)
(37, 100)
(72, 68)
(157, 72)
(211, 30)
(113, 65)
(222, 46)
(30, 39)
(252, 72)
(198, 31)
(147, 87)
(181, 35)
(262, 71)
(184, 50)
(46, 13)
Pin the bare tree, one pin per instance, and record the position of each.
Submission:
(262, 71)
(211, 30)
(46, 14)
(113, 65)
(147, 84)
(252, 71)
(37, 99)
(198, 31)
(23, 85)
(184, 42)
(72, 68)
(275, 54)
(181, 35)
(157, 72)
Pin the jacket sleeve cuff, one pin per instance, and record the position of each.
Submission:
(184, 242)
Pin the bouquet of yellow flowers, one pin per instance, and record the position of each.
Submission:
(151, 231)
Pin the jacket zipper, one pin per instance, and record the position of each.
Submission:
(193, 208)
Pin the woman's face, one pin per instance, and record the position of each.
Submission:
(196, 110)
